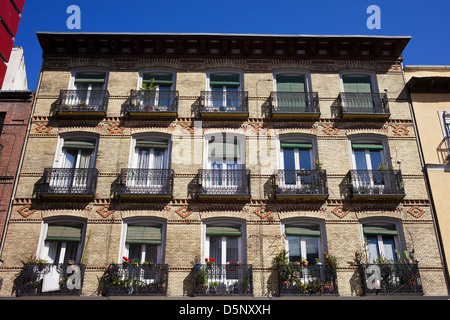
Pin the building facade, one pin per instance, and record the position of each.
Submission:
(429, 89)
(209, 164)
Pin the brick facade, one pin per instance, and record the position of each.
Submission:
(185, 215)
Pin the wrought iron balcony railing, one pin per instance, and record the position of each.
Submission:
(301, 183)
(69, 181)
(51, 279)
(223, 279)
(294, 103)
(375, 104)
(376, 183)
(224, 102)
(82, 102)
(136, 279)
(391, 279)
(216, 182)
(312, 279)
(141, 182)
(153, 102)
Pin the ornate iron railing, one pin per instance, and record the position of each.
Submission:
(376, 182)
(83, 101)
(224, 102)
(223, 279)
(391, 279)
(301, 182)
(146, 182)
(69, 181)
(312, 279)
(294, 102)
(136, 279)
(154, 101)
(364, 103)
(51, 279)
(224, 182)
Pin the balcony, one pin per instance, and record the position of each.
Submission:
(364, 105)
(153, 103)
(233, 183)
(82, 103)
(51, 279)
(301, 184)
(391, 279)
(224, 104)
(304, 105)
(146, 183)
(311, 279)
(136, 279)
(68, 182)
(376, 184)
(223, 280)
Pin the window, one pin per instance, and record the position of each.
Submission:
(382, 241)
(225, 92)
(303, 241)
(296, 162)
(144, 242)
(89, 89)
(224, 242)
(156, 90)
(74, 161)
(149, 163)
(359, 93)
(291, 93)
(62, 242)
(357, 83)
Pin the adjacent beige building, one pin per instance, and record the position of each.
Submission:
(429, 88)
(187, 164)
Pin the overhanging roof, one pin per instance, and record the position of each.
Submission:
(219, 45)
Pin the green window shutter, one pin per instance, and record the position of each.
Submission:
(287, 83)
(158, 79)
(79, 144)
(380, 230)
(222, 150)
(90, 78)
(218, 80)
(223, 231)
(64, 233)
(358, 84)
(143, 144)
(144, 235)
(367, 146)
(291, 145)
(299, 231)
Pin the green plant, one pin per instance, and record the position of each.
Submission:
(282, 258)
(330, 259)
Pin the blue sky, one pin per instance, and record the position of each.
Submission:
(427, 22)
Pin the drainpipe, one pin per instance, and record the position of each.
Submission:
(427, 185)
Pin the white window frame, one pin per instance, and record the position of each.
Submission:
(151, 221)
(242, 252)
(306, 222)
(369, 139)
(58, 161)
(228, 137)
(359, 72)
(398, 240)
(444, 119)
(208, 103)
(74, 72)
(293, 72)
(142, 72)
(42, 250)
(133, 155)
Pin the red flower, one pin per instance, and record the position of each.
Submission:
(212, 259)
(126, 259)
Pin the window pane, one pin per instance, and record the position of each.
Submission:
(312, 249)
(215, 249)
(135, 252)
(71, 251)
(360, 159)
(389, 248)
(375, 159)
(232, 249)
(151, 253)
(294, 249)
(305, 159)
(372, 247)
